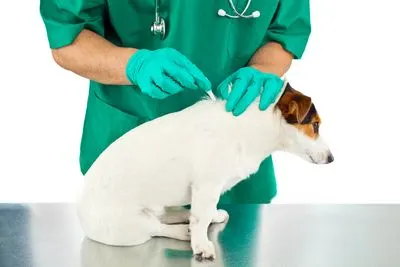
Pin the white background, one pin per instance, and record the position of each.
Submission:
(349, 68)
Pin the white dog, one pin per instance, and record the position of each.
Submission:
(190, 157)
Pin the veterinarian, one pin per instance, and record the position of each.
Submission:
(142, 65)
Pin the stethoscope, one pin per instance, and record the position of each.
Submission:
(158, 27)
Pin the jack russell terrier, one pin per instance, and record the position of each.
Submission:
(190, 157)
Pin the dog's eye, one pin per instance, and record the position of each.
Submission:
(316, 127)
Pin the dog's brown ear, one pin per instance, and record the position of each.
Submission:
(294, 105)
(299, 106)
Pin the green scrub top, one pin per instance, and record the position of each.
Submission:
(218, 45)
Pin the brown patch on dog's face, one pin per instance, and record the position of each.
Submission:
(310, 129)
(298, 110)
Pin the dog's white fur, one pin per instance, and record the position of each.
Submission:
(187, 157)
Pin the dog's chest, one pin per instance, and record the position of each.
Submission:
(240, 171)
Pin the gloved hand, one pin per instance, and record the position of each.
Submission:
(164, 72)
(247, 84)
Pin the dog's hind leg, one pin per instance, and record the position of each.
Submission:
(180, 215)
(175, 231)
(174, 215)
(117, 225)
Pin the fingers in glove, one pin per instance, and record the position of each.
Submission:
(269, 93)
(179, 74)
(154, 85)
(200, 79)
(224, 88)
(169, 86)
(248, 98)
(239, 88)
(154, 91)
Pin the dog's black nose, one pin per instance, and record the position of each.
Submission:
(330, 158)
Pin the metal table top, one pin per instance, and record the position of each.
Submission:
(49, 235)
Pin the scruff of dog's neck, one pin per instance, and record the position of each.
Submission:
(262, 132)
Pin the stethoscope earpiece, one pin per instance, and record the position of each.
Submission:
(221, 13)
(256, 14)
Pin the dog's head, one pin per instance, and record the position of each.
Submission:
(301, 124)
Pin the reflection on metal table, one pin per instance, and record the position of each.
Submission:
(49, 235)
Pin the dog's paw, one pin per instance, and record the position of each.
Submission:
(221, 216)
(204, 251)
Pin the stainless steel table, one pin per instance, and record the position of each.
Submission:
(49, 235)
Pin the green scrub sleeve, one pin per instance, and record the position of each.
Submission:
(65, 19)
(291, 26)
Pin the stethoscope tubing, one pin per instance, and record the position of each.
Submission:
(159, 27)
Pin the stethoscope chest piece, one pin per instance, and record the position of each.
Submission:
(158, 27)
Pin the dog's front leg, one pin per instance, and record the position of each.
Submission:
(203, 210)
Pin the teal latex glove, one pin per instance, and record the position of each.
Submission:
(164, 72)
(247, 84)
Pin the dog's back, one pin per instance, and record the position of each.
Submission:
(155, 157)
